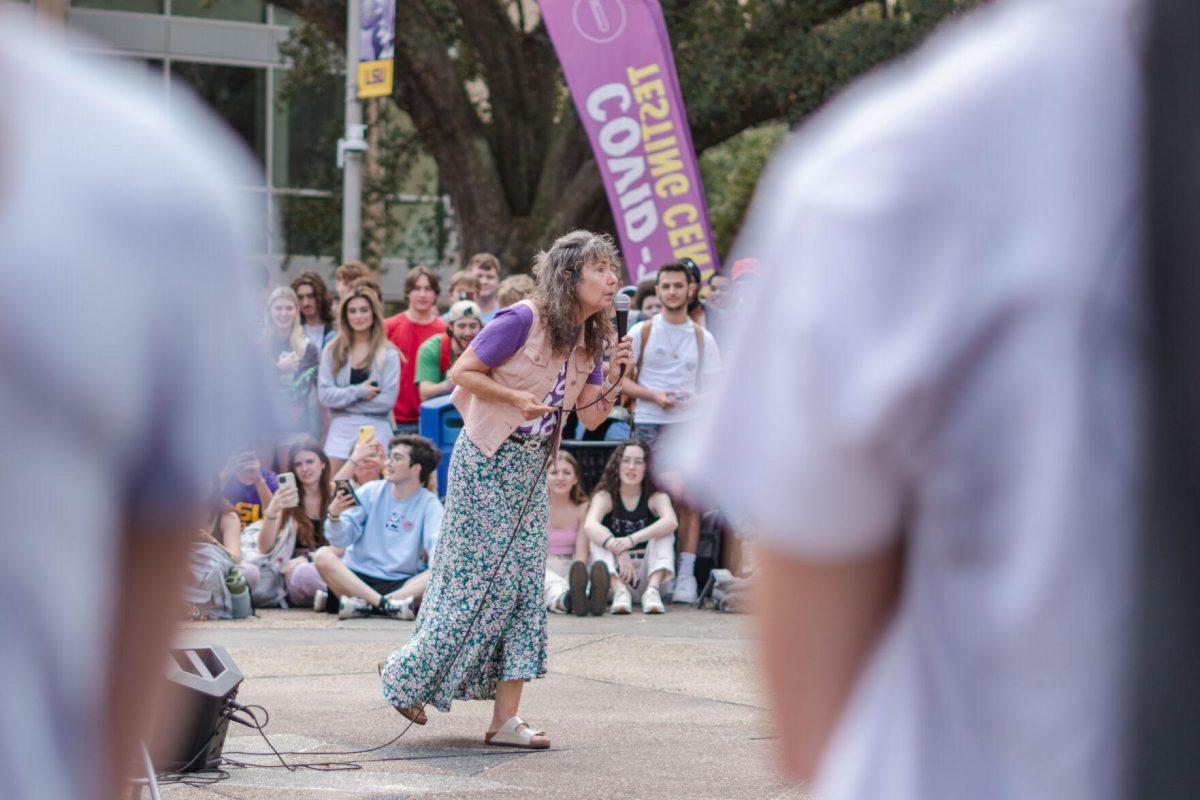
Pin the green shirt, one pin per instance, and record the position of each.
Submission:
(429, 360)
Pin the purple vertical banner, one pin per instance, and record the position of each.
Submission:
(616, 55)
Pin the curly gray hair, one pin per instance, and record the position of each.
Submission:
(558, 272)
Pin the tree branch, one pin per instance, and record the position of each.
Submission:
(518, 71)
(431, 90)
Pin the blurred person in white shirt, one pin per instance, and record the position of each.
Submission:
(949, 261)
(117, 421)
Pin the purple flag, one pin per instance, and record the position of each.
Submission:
(617, 58)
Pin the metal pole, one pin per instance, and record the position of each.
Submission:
(351, 147)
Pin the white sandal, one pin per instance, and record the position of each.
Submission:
(515, 733)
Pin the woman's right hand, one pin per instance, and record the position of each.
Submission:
(290, 566)
(626, 570)
(530, 407)
(287, 497)
(371, 388)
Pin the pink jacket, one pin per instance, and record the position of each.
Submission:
(532, 369)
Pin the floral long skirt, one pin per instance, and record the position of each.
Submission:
(448, 657)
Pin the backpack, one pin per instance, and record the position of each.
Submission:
(726, 592)
(206, 594)
(271, 591)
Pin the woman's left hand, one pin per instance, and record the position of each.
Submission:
(290, 566)
(620, 544)
(622, 356)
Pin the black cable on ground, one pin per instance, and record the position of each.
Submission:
(212, 776)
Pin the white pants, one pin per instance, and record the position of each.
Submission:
(558, 568)
(660, 555)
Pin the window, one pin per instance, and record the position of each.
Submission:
(307, 127)
(139, 6)
(312, 226)
(235, 10)
(237, 94)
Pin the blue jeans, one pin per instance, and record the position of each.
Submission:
(649, 433)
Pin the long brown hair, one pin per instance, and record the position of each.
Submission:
(306, 534)
(314, 281)
(578, 495)
(340, 344)
(610, 480)
(559, 271)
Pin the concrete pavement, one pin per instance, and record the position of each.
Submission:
(637, 707)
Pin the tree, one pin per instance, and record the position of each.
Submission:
(480, 81)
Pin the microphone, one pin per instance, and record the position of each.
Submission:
(621, 306)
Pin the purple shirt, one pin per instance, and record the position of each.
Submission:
(505, 335)
(245, 498)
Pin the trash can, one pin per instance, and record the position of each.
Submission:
(441, 423)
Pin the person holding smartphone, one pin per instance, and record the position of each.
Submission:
(359, 378)
(388, 530)
(247, 485)
(293, 529)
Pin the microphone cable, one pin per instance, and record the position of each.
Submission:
(208, 777)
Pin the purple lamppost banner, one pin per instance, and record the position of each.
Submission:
(616, 55)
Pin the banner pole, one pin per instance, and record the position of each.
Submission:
(352, 145)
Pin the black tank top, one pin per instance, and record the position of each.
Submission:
(623, 522)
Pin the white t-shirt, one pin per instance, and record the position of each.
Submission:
(669, 364)
(127, 370)
(949, 262)
(316, 334)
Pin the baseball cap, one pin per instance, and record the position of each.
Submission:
(463, 308)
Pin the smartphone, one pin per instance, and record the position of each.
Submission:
(342, 486)
(365, 434)
(286, 480)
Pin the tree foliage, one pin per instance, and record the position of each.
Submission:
(481, 84)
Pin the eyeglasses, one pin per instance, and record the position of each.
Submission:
(633, 462)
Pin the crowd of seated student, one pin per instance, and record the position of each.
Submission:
(383, 536)
(349, 379)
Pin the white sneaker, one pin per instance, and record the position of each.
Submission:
(652, 602)
(398, 609)
(354, 607)
(685, 589)
(559, 605)
(622, 600)
(319, 599)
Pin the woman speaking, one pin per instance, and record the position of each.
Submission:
(481, 632)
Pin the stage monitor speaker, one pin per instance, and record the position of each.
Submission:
(190, 733)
